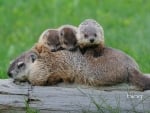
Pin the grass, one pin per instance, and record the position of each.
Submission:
(102, 105)
(126, 24)
(28, 109)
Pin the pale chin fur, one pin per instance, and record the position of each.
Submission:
(20, 78)
(23, 76)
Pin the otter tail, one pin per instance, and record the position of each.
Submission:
(136, 78)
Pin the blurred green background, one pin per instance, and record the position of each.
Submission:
(126, 24)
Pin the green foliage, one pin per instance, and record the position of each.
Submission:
(29, 109)
(102, 105)
(126, 24)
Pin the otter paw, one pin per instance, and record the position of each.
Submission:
(22, 83)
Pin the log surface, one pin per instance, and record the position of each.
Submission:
(70, 99)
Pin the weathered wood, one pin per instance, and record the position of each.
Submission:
(71, 98)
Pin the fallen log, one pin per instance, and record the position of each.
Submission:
(71, 99)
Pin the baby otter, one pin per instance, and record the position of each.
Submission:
(43, 67)
(67, 35)
(50, 38)
(90, 34)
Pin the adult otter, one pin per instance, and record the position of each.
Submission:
(43, 67)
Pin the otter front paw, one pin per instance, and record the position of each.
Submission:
(22, 83)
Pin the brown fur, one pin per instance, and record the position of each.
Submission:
(111, 68)
(97, 49)
(67, 34)
(50, 38)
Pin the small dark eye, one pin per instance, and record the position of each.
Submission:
(95, 35)
(61, 34)
(48, 43)
(20, 64)
(85, 35)
(33, 57)
(74, 43)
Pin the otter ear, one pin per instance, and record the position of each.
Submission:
(20, 64)
(33, 57)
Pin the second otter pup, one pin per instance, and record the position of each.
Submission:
(50, 38)
(90, 34)
(67, 35)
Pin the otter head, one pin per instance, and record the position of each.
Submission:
(90, 33)
(20, 67)
(67, 34)
(50, 38)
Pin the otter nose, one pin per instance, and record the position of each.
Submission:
(91, 40)
(61, 48)
(9, 74)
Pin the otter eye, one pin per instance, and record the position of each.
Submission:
(20, 64)
(62, 33)
(74, 43)
(48, 43)
(85, 35)
(33, 58)
(95, 34)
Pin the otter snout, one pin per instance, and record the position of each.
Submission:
(91, 40)
(10, 74)
(53, 50)
(61, 48)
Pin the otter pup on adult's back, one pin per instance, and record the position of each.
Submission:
(49, 68)
(90, 34)
(67, 36)
(50, 38)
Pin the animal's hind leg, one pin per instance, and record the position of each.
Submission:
(54, 79)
